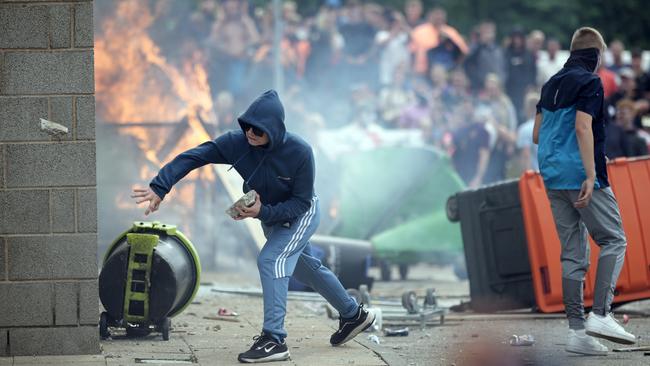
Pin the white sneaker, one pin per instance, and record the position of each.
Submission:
(579, 342)
(607, 327)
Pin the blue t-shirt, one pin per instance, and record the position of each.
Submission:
(574, 88)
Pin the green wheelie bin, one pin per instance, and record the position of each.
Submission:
(150, 273)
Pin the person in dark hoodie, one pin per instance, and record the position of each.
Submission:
(570, 131)
(279, 166)
(521, 71)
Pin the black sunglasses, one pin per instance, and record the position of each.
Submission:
(256, 131)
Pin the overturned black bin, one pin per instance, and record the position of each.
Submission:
(494, 241)
(150, 273)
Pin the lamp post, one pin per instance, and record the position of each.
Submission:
(278, 74)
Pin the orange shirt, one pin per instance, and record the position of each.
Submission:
(609, 81)
(425, 37)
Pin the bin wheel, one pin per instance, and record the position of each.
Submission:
(164, 327)
(430, 298)
(103, 326)
(451, 209)
(384, 267)
(409, 302)
(403, 271)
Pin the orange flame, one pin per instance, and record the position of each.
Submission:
(136, 84)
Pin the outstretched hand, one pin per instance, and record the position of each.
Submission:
(253, 211)
(144, 195)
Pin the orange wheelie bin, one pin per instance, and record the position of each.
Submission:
(630, 181)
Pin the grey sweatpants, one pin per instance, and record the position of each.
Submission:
(602, 220)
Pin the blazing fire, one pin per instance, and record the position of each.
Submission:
(160, 105)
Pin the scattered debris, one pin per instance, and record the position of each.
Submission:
(53, 128)
(474, 335)
(523, 340)
(226, 312)
(403, 332)
(373, 338)
(632, 349)
(224, 318)
(159, 361)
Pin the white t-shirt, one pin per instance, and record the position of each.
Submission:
(394, 52)
(547, 67)
(525, 141)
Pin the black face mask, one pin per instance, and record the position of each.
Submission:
(256, 131)
(589, 58)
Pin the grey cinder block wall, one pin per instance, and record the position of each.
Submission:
(48, 214)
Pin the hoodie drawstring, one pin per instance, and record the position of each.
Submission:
(238, 160)
(255, 170)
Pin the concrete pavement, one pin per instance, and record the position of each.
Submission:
(464, 339)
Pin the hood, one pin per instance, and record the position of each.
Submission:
(586, 58)
(267, 114)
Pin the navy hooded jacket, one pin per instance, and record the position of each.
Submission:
(282, 172)
(574, 88)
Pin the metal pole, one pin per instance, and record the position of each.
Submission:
(278, 74)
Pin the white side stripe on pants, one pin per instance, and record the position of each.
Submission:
(297, 236)
(295, 239)
(295, 243)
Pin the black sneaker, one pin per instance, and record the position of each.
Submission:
(349, 328)
(265, 349)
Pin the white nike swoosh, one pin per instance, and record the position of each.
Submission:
(267, 350)
(262, 346)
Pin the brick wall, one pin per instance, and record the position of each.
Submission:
(48, 199)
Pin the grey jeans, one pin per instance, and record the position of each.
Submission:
(600, 219)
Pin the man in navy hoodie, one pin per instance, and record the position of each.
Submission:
(279, 166)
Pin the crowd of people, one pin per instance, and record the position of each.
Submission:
(374, 73)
